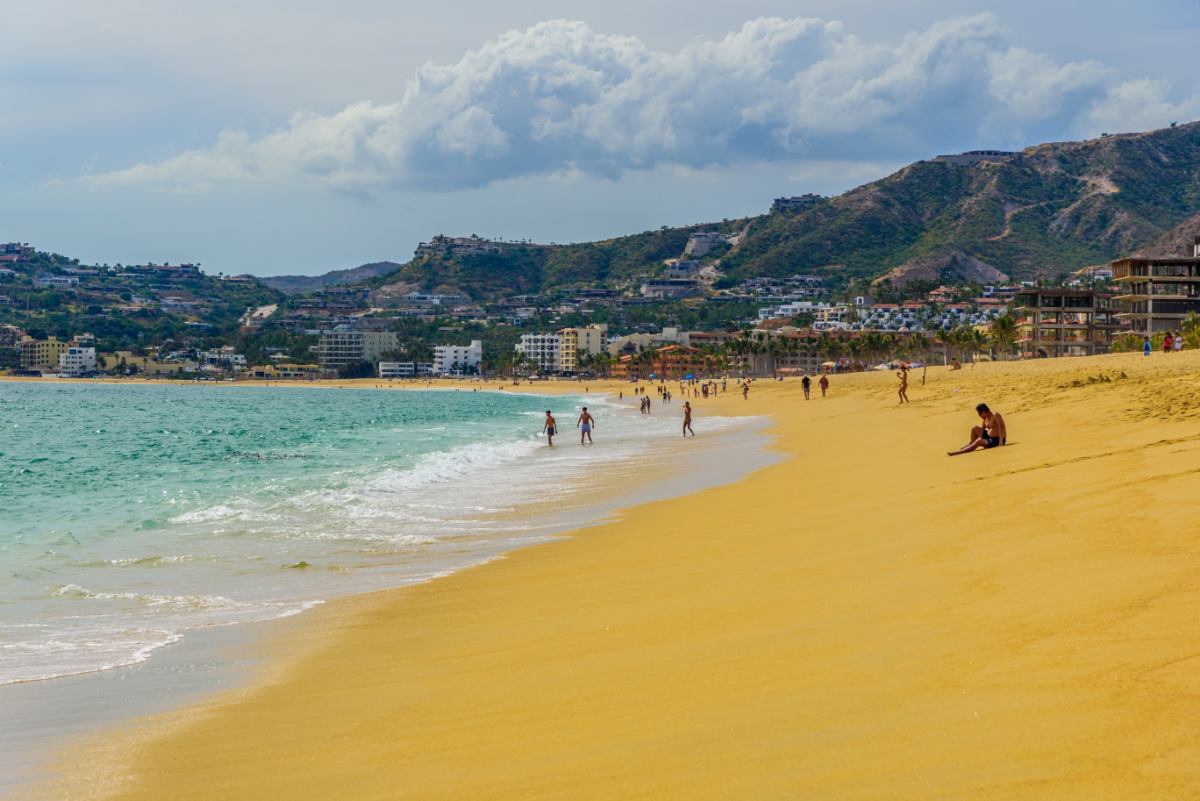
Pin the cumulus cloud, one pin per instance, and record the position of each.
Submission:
(1137, 106)
(561, 98)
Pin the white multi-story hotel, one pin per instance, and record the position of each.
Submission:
(76, 362)
(544, 350)
(456, 359)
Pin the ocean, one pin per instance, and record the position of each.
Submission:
(131, 514)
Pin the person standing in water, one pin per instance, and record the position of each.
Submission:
(585, 423)
(903, 376)
(550, 429)
(687, 419)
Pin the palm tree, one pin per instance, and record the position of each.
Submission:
(1004, 333)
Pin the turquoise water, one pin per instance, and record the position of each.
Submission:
(130, 514)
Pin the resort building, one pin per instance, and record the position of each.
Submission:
(290, 372)
(591, 340)
(77, 362)
(1065, 322)
(456, 360)
(39, 354)
(544, 350)
(668, 363)
(1158, 292)
(405, 369)
(346, 345)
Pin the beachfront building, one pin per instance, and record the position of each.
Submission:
(1158, 292)
(544, 350)
(669, 363)
(456, 359)
(405, 369)
(590, 340)
(77, 362)
(346, 345)
(40, 354)
(223, 359)
(290, 372)
(1055, 321)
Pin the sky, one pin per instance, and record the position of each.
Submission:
(271, 137)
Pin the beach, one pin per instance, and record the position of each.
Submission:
(866, 618)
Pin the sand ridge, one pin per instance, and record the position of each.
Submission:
(867, 619)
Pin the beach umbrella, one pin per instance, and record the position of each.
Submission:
(654, 375)
(689, 376)
(829, 364)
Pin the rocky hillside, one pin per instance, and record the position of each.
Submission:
(1050, 209)
(1179, 241)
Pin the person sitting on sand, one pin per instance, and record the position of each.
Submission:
(992, 434)
(955, 364)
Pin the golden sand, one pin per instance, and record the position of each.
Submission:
(867, 619)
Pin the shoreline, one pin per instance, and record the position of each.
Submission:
(196, 671)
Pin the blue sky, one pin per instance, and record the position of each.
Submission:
(275, 137)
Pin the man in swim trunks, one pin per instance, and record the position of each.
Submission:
(585, 424)
(806, 382)
(992, 434)
(550, 429)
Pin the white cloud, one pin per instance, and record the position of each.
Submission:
(561, 98)
(1137, 106)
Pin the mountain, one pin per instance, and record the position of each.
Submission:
(1179, 241)
(299, 284)
(1048, 210)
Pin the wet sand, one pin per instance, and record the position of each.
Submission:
(866, 619)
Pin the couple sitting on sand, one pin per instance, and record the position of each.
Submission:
(992, 434)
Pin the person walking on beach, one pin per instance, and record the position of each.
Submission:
(687, 419)
(903, 376)
(806, 383)
(1178, 342)
(1167, 343)
(746, 390)
(585, 424)
(824, 382)
(1146, 347)
(992, 434)
(550, 429)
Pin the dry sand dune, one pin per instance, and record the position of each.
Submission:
(868, 619)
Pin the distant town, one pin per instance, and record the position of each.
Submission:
(679, 317)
